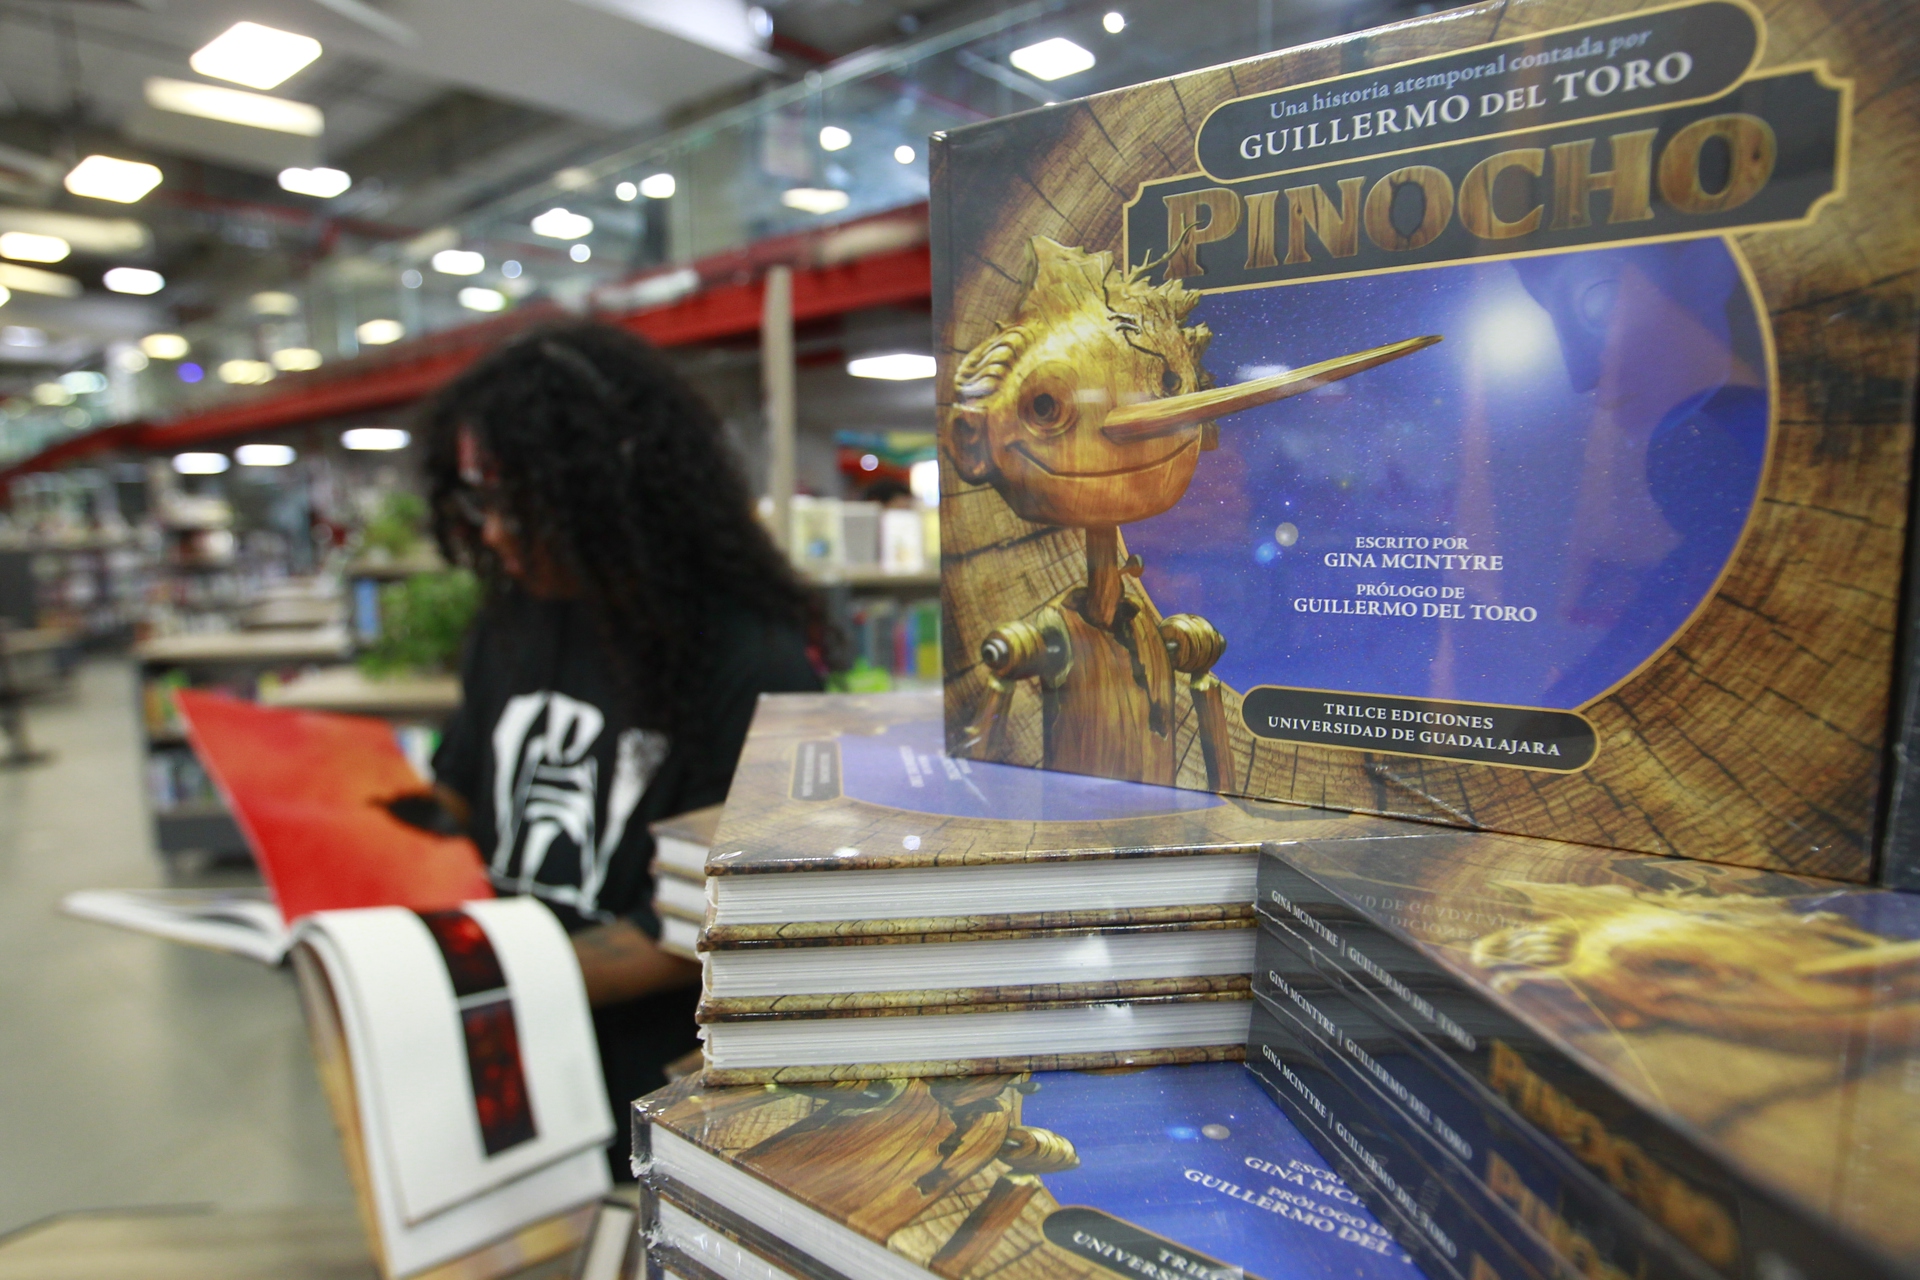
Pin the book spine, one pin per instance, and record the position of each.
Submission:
(1430, 1216)
(1535, 1187)
(1735, 1227)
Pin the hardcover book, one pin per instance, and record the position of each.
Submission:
(1503, 419)
(1730, 1050)
(1523, 1183)
(1173, 1171)
(848, 820)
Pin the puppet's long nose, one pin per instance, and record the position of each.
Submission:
(1153, 418)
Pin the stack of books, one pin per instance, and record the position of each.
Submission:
(680, 846)
(1162, 1172)
(1612, 1064)
(876, 908)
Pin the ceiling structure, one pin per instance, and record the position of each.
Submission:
(429, 105)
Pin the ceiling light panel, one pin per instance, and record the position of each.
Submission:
(105, 178)
(561, 224)
(899, 366)
(256, 56)
(815, 199)
(459, 262)
(33, 280)
(1051, 59)
(322, 184)
(135, 280)
(235, 106)
(264, 455)
(165, 346)
(478, 299)
(375, 439)
(25, 246)
(378, 333)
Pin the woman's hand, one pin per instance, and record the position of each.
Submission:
(620, 963)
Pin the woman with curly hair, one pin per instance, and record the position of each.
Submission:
(635, 611)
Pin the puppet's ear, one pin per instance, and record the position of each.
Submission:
(967, 443)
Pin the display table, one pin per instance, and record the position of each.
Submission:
(246, 648)
(268, 1244)
(349, 691)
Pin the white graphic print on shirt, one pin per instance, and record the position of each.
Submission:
(547, 796)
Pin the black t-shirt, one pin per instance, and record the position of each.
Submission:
(561, 785)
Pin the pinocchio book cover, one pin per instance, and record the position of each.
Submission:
(1503, 418)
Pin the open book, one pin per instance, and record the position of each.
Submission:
(313, 794)
(457, 1055)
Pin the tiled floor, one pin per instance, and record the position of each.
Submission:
(133, 1072)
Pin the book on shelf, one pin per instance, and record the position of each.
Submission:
(457, 1055)
(1166, 1171)
(318, 798)
(680, 846)
(1431, 424)
(1727, 1050)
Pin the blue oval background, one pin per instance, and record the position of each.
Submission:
(1599, 420)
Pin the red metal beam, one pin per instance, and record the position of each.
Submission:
(901, 277)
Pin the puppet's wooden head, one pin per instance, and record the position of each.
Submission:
(1030, 401)
(1089, 406)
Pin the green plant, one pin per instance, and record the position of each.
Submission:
(398, 524)
(422, 622)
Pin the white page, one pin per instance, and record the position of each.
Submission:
(238, 923)
(409, 1052)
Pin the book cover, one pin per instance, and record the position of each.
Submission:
(1529, 1185)
(1729, 1049)
(310, 792)
(861, 782)
(1502, 418)
(1190, 1170)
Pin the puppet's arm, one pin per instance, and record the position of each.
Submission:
(1034, 648)
(1194, 645)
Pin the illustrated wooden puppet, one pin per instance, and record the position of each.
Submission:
(1090, 410)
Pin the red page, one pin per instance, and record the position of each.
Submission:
(309, 791)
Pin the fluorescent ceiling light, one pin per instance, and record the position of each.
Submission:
(126, 359)
(626, 191)
(375, 439)
(200, 464)
(378, 333)
(459, 262)
(34, 280)
(560, 224)
(25, 246)
(22, 335)
(580, 253)
(105, 178)
(1051, 59)
(834, 138)
(107, 237)
(274, 302)
(576, 178)
(295, 359)
(264, 455)
(84, 382)
(321, 184)
(900, 366)
(658, 186)
(134, 280)
(904, 154)
(245, 373)
(474, 298)
(255, 56)
(814, 199)
(235, 106)
(52, 394)
(1114, 23)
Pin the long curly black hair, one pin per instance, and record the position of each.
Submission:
(617, 473)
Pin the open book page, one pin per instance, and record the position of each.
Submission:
(242, 922)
